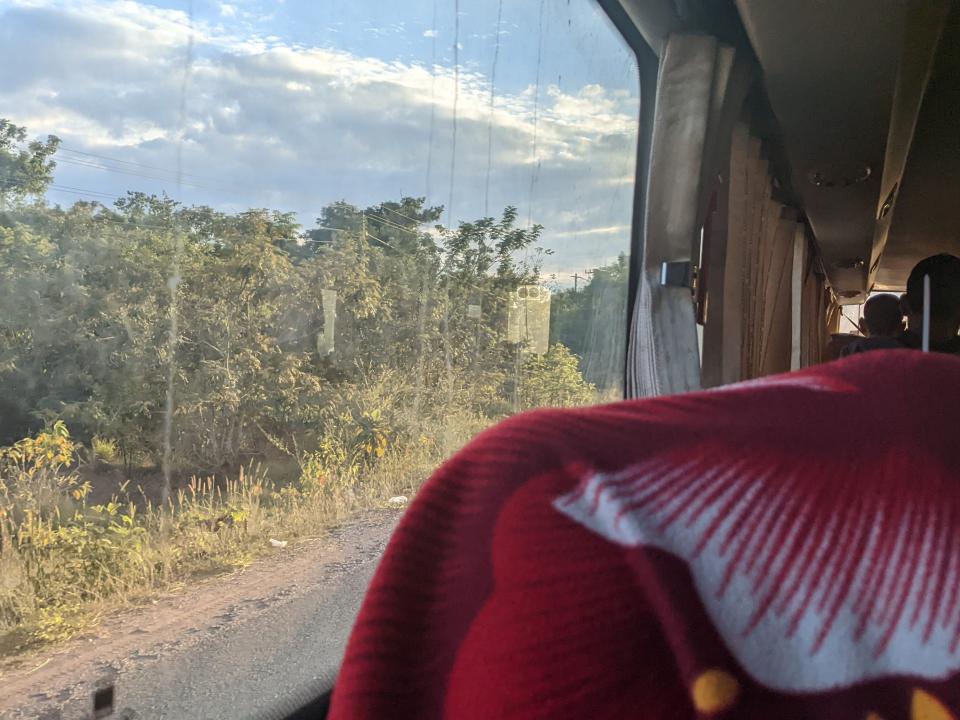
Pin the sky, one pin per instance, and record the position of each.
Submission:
(293, 104)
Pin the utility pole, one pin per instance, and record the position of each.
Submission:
(476, 339)
(577, 277)
(421, 345)
(447, 356)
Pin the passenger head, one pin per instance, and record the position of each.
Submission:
(882, 316)
(944, 272)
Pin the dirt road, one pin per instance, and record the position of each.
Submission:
(229, 647)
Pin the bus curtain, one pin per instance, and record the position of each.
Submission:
(700, 89)
(821, 318)
(749, 324)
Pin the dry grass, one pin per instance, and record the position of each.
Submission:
(65, 561)
(71, 550)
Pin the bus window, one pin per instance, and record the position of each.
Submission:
(263, 266)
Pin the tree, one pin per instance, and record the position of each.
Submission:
(24, 170)
(85, 317)
(592, 323)
(554, 380)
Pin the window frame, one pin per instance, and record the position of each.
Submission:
(648, 65)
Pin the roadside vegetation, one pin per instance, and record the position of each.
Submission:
(66, 559)
(181, 385)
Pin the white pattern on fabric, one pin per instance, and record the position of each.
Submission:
(769, 651)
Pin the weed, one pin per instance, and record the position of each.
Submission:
(105, 449)
(64, 561)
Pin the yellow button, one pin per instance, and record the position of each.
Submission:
(714, 690)
(926, 707)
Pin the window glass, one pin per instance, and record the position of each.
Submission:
(263, 266)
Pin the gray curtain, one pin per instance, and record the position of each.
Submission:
(700, 89)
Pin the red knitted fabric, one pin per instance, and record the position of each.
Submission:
(784, 548)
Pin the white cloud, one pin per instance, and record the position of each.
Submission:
(609, 230)
(295, 86)
(227, 10)
(296, 127)
(430, 33)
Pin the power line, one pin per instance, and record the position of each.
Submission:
(81, 191)
(124, 171)
(101, 165)
(389, 223)
(130, 162)
(202, 186)
(96, 194)
(405, 217)
(106, 168)
(81, 163)
(134, 173)
(85, 191)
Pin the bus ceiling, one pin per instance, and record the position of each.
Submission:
(859, 105)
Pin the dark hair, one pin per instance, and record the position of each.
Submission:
(944, 272)
(882, 314)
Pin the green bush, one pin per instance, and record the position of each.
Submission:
(554, 380)
(62, 558)
(105, 449)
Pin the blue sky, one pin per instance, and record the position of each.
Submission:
(418, 30)
(292, 104)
